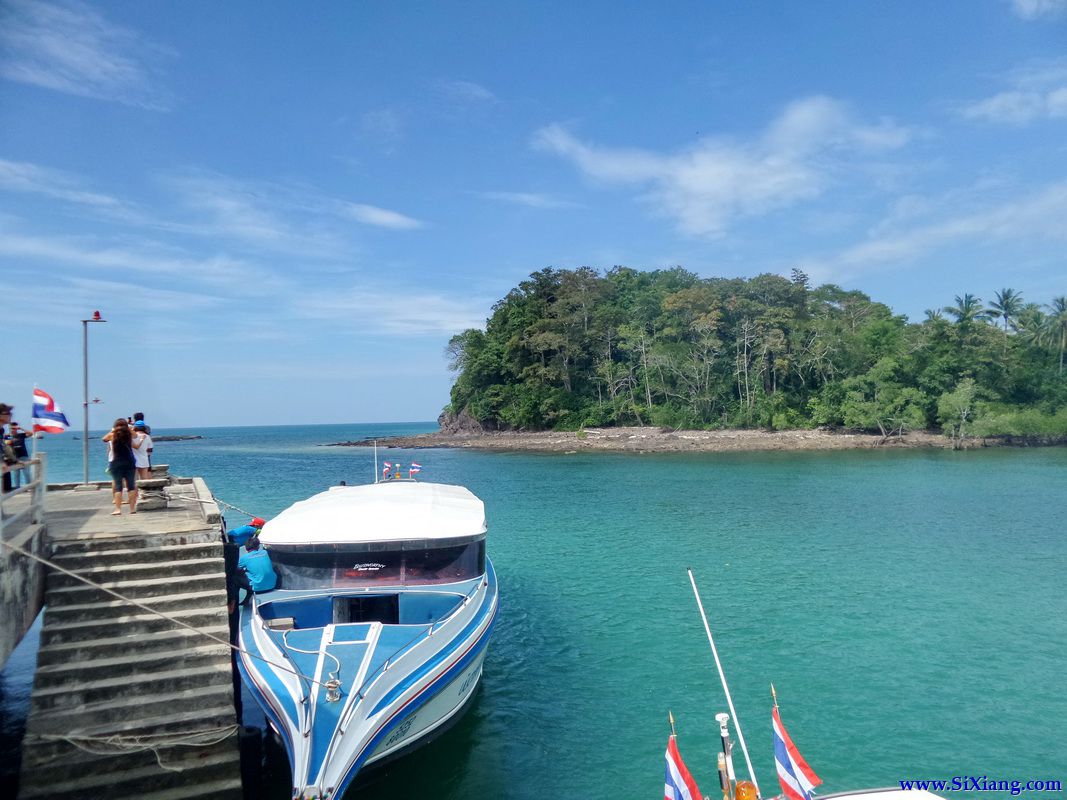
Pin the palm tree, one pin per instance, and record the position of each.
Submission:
(934, 314)
(968, 309)
(1032, 325)
(1007, 306)
(1057, 322)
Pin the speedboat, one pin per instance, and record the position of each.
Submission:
(374, 640)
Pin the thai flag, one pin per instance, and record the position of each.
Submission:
(386, 466)
(47, 416)
(796, 777)
(414, 468)
(678, 784)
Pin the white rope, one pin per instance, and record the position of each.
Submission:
(214, 499)
(321, 651)
(151, 610)
(119, 744)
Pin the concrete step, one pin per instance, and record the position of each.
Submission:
(128, 646)
(136, 555)
(137, 572)
(102, 542)
(137, 782)
(124, 709)
(137, 589)
(71, 761)
(104, 690)
(52, 675)
(42, 751)
(138, 623)
(111, 609)
(217, 790)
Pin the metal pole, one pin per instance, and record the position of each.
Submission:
(85, 403)
(726, 689)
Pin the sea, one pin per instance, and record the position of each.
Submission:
(910, 607)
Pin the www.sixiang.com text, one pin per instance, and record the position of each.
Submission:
(983, 783)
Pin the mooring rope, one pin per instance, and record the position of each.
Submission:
(119, 744)
(151, 610)
(188, 499)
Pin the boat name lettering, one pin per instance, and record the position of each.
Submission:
(371, 567)
(401, 731)
(467, 683)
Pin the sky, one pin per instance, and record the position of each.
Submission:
(285, 210)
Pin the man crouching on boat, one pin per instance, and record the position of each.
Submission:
(255, 573)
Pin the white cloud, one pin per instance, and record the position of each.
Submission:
(396, 311)
(133, 261)
(21, 176)
(465, 92)
(713, 183)
(386, 123)
(1035, 217)
(1038, 91)
(1035, 9)
(70, 47)
(1018, 107)
(380, 217)
(529, 199)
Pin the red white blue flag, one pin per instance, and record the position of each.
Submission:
(678, 783)
(797, 778)
(47, 416)
(414, 468)
(386, 466)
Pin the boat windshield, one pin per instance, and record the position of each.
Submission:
(429, 565)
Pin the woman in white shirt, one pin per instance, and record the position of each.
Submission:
(143, 445)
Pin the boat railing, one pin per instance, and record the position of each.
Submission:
(403, 650)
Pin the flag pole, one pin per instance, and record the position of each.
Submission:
(726, 689)
(33, 429)
(375, 460)
(670, 716)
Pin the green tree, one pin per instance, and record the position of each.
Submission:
(968, 309)
(956, 410)
(1057, 322)
(1006, 306)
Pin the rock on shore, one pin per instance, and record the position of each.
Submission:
(655, 440)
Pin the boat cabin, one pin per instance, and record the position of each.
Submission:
(379, 553)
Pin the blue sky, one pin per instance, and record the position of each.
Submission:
(284, 210)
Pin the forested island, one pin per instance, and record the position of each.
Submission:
(569, 350)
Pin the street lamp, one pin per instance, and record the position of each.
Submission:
(85, 384)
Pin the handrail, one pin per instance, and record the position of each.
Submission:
(35, 488)
(399, 652)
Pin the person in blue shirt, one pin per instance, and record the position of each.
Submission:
(241, 535)
(255, 573)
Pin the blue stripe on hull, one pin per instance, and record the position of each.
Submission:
(417, 702)
(279, 707)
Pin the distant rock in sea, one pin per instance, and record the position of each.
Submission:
(174, 438)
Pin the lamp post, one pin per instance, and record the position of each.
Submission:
(85, 385)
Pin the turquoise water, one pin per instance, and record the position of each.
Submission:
(908, 606)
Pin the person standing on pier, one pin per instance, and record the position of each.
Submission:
(121, 465)
(18, 445)
(8, 451)
(142, 451)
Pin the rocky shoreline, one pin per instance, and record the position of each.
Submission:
(654, 440)
(659, 440)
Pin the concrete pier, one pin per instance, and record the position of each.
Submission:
(127, 704)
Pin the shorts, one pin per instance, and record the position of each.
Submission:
(121, 473)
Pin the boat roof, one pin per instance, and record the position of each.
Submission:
(390, 511)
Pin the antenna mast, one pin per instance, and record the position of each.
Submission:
(726, 689)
